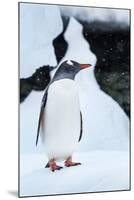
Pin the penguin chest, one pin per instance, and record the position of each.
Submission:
(62, 119)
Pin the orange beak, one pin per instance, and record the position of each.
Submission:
(84, 66)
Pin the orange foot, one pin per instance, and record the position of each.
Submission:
(54, 166)
(69, 163)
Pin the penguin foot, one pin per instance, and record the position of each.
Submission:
(54, 166)
(69, 163)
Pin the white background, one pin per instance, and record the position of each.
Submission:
(9, 99)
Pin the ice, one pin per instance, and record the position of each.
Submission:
(39, 25)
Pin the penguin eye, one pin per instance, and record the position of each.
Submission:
(74, 62)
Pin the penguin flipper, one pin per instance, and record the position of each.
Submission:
(43, 104)
(81, 127)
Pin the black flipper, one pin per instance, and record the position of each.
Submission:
(81, 127)
(43, 104)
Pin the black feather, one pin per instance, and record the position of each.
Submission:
(44, 100)
(81, 127)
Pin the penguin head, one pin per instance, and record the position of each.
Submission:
(73, 67)
(69, 69)
(78, 67)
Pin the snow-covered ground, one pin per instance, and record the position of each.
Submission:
(100, 171)
(103, 149)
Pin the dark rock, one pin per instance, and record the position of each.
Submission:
(25, 88)
(38, 81)
(59, 43)
(40, 78)
(111, 44)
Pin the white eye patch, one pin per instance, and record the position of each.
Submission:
(69, 62)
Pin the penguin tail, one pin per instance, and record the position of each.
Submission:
(47, 165)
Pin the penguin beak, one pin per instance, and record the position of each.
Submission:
(84, 66)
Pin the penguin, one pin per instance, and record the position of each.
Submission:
(60, 119)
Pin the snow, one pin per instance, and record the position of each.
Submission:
(36, 36)
(120, 16)
(29, 112)
(103, 149)
(100, 171)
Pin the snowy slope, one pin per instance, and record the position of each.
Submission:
(103, 150)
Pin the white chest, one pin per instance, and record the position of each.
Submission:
(62, 119)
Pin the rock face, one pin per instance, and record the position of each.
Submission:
(111, 44)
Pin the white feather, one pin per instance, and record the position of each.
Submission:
(69, 62)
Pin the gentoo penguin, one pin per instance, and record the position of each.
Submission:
(60, 120)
